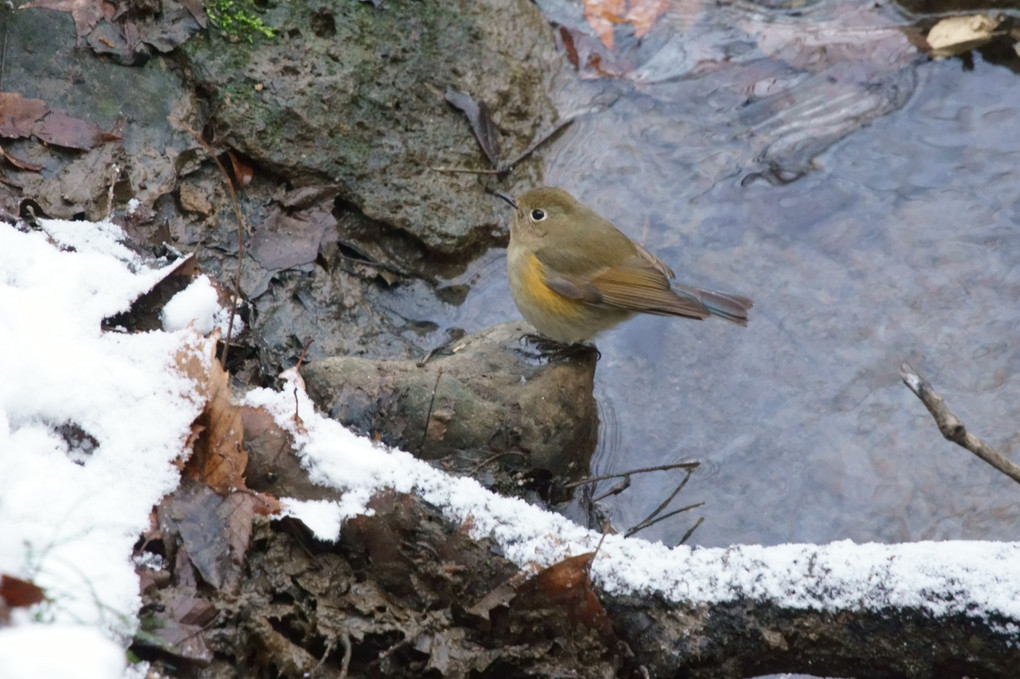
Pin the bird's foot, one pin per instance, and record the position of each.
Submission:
(554, 350)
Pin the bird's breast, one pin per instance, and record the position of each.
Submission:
(533, 297)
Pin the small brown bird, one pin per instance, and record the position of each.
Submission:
(573, 274)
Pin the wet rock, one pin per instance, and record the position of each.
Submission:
(354, 95)
(42, 61)
(492, 399)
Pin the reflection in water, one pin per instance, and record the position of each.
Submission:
(608, 455)
(900, 243)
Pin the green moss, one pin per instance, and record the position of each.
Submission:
(237, 19)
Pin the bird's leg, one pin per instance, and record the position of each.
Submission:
(560, 351)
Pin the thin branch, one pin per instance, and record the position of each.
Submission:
(951, 426)
(109, 194)
(3, 51)
(442, 346)
(506, 167)
(651, 520)
(642, 470)
(691, 530)
(322, 660)
(345, 664)
(240, 234)
(492, 458)
(304, 352)
(464, 170)
(623, 485)
(428, 415)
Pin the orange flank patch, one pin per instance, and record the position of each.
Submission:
(541, 296)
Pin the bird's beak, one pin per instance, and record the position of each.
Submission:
(508, 198)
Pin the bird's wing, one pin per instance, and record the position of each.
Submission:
(637, 284)
(641, 285)
(656, 263)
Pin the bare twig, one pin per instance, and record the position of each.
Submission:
(691, 530)
(428, 415)
(506, 167)
(442, 346)
(464, 170)
(304, 352)
(651, 518)
(240, 233)
(951, 426)
(109, 194)
(345, 664)
(650, 521)
(691, 466)
(3, 50)
(318, 666)
(492, 458)
(618, 488)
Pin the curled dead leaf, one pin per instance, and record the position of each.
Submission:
(243, 170)
(567, 585)
(19, 163)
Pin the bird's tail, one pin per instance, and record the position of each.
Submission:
(732, 308)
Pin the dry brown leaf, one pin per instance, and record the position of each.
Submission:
(23, 117)
(19, 163)
(18, 593)
(243, 171)
(19, 115)
(237, 513)
(219, 458)
(567, 585)
(284, 240)
(63, 130)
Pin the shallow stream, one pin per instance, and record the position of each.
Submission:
(867, 198)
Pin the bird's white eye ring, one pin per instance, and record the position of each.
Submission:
(537, 215)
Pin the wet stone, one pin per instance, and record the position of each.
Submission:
(360, 103)
(490, 401)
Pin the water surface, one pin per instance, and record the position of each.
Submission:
(867, 199)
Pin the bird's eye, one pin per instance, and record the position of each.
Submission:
(537, 215)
